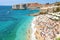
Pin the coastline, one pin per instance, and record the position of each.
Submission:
(33, 30)
(35, 14)
(30, 31)
(36, 26)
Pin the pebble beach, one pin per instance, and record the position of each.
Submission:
(44, 28)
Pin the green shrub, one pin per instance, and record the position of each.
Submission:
(57, 38)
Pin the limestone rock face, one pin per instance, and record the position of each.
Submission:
(46, 29)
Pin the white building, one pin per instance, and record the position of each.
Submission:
(19, 6)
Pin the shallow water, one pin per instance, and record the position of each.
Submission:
(14, 23)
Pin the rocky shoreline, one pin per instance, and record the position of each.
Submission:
(46, 24)
(45, 28)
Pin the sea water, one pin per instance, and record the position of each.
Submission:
(14, 23)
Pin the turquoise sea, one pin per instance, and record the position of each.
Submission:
(14, 23)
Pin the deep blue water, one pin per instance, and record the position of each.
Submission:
(14, 23)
